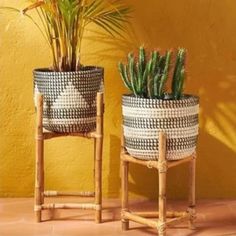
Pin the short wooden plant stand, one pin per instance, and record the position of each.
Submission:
(162, 165)
(40, 193)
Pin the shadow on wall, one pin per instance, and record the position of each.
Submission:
(216, 165)
(201, 27)
(217, 141)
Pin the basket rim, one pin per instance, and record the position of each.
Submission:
(82, 71)
(184, 98)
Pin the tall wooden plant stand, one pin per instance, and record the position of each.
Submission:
(165, 218)
(40, 193)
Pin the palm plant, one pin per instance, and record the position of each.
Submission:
(62, 24)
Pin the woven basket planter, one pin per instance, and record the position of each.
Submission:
(69, 98)
(143, 119)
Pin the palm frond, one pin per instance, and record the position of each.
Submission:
(111, 17)
(62, 24)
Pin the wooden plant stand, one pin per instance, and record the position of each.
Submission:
(40, 194)
(162, 165)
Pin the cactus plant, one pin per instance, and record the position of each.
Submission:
(179, 74)
(147, 77)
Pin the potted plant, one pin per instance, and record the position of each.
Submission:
(68, 87)
(151, 109)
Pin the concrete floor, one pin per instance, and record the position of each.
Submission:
(215, 218)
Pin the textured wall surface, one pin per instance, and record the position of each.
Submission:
(205, 27)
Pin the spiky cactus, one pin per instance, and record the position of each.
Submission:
(179, 74)
(147, 77)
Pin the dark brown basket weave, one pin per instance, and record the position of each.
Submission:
(143, 119)
(69, 98)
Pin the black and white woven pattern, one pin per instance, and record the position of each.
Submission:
(69, 98)
(143, 119)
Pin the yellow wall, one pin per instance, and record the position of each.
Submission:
(206, 28)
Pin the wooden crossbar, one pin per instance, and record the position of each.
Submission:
(83, 206)
(131, 216)
(141, 217)
(155, 214)
(51, 193)
(154, 164)
(179, 162)
(178, 220)
(150, 164)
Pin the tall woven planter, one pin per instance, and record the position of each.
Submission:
(143, 119)
(69, 98)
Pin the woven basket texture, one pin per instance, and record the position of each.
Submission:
(143, 119)
(69, 98)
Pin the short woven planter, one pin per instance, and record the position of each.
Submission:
(69, 98)
(143, 119)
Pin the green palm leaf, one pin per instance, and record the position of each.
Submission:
(62, 23)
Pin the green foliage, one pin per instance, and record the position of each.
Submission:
(62, 23)
(147, 77)
(179, 74)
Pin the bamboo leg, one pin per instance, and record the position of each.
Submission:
(94, 155)
(124, 185)
(39, 179)
(42, 169)
(98, 159)
(192, 200)
(125, 201)
(162, 170)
